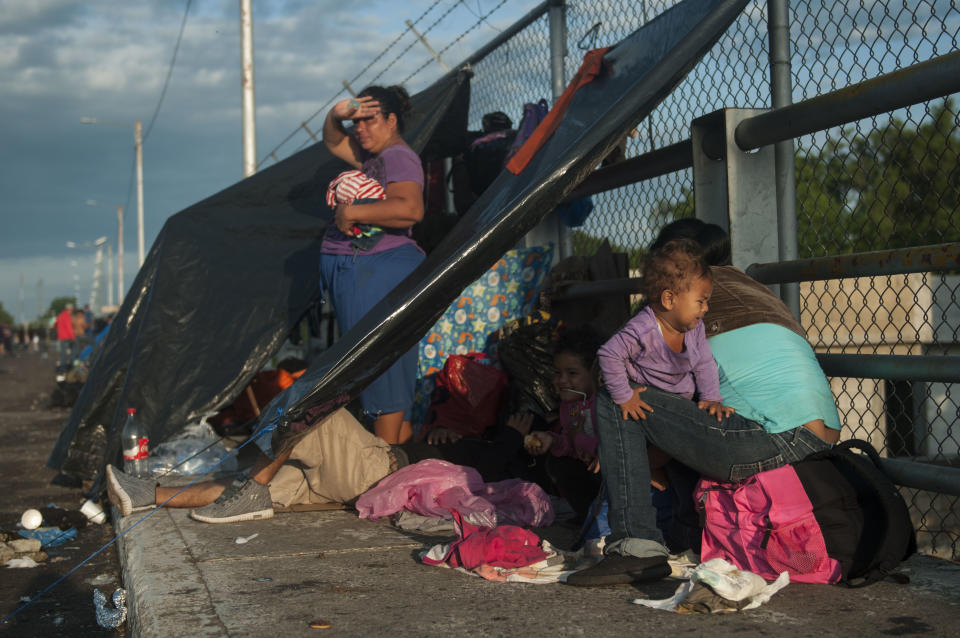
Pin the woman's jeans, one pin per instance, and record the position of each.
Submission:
(357, 283)
(731, 449)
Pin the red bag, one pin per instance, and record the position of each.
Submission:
(473, 391)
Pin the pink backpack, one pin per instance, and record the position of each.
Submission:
(765, 525)
(832, 517)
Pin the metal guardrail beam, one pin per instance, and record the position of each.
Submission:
(939, 257)
(662, 161)
(926, 80)
(894, 367)
(937, 77)
(899, 261)
(923, 476)
(630, 286)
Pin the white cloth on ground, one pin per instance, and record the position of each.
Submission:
(726, 581)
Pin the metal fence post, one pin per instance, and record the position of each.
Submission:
(734, 189)
(558, 49)
(781, 89)
(551, 229)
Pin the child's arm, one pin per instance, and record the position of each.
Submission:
(613, 357)
(538, 442)
(441, 435)
(635, 407)
(707, 378)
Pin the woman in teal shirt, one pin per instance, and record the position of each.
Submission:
(784, 410)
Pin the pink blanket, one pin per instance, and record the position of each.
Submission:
(434, 487)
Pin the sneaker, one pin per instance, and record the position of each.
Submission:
(243, 500)
(130, 493)
(617, 569)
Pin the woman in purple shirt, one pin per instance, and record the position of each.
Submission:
(358, 271)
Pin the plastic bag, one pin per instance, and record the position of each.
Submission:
(197, 450)
(467, 398)
(49, 536)
(110, 617)
(731, 589)
(525, 350)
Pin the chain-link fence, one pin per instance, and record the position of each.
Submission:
(882, 182)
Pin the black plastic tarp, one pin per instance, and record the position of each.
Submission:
(223, 285)
(638, 73)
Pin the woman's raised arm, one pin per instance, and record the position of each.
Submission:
(335, 136)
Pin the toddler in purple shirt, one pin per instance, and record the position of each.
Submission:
(665, 344)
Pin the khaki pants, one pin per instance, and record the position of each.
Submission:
(332, 465)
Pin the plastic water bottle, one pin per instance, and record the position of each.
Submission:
(136, 446)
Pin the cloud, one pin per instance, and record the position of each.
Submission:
(17, 16)
(61, 60)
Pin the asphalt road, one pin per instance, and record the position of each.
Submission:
(28, 430)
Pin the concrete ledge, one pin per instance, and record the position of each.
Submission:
(166, 592)
(186, 578)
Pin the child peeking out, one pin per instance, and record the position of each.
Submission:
(664, 345)
(572, 463)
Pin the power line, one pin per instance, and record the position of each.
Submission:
(323, 108)
(166, 82)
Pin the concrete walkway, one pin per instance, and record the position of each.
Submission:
(186, 578)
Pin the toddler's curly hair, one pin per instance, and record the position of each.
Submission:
(673, 266)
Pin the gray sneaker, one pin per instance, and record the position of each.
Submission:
(243, 500)
(130, 493)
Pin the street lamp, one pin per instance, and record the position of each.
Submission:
(138, 145)
(120, 287)
(98, 245)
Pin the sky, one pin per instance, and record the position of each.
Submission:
(61, 61)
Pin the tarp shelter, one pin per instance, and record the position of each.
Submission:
(632, 78)
(224, 283)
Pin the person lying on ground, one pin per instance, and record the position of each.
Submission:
(769, 375)
(330, 466)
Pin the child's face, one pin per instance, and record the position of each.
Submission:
(572, 380)
(686, 309)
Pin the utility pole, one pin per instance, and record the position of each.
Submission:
(138, 147)
(23, 312)
(120, 286)
(249, 103)
(97, 274)
(138, 142)
(110, 275)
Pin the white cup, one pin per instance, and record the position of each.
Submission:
(93, 511)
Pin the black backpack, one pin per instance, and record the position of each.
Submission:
(886, 537)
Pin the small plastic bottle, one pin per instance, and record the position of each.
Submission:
(136, 446)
